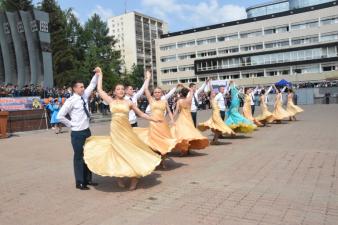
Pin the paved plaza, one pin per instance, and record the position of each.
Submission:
(283, 174)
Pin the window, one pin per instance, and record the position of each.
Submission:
(276, 30)
(167, 47)
(169, 82)
(267, 59)
(186, 44)
(252, 47)
(169, 70)
(186, 68)
(184, 56)
(306, 69)
(305, 40)
(304, 25)
(277, 44)
(227, 37)
(329, 20)
(208, 53)
(329, 67)
(228, 50)
(249, 34)
(169, 58)
(329, 36)
(206, 41)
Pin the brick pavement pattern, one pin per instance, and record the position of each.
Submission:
(283, 174)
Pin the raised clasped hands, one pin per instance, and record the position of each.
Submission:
(98, 71)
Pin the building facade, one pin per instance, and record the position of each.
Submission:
(25, 53)
(135, 34)
(293, 41)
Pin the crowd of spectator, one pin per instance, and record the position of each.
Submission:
(322, 84)
(96, 104)
(33, 90)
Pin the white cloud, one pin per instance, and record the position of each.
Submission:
(188, 15)
(104, 13)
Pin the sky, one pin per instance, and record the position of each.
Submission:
(179, 14)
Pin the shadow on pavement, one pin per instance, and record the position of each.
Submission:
(109, 184)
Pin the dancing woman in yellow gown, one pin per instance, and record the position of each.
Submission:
(247, 112)
(291, 108)
(265, 116)
(184, 131)
(122, 154)
(215, 123)
(279, 112)
(158, 135)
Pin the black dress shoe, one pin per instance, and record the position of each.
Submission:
(91, 183)
(82, 187)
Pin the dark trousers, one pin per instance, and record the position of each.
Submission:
(222, 114)
(253, 109)
(134, 125)
(194, 117)
(81, 171)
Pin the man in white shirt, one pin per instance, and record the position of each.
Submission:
(220, 99)
(133, 97)
(252, 99)
(77, 108)
(194, 103)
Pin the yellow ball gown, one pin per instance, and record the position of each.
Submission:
(291, 108)
(247, 111)
(122, 154)
(215, 123)
(279, 112)
(266, 115)
(188, 137)
(158, 135)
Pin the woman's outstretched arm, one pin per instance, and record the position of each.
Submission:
(101, 92)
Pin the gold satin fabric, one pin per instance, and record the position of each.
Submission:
(279, 112)
(215, 123)
(158, 135)
(122, 154)
(184, 131)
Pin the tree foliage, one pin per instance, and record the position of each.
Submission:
(15, 5)
(78, 48)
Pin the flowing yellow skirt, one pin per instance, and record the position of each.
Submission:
(216, 124)
(266, 115)
(157, 136)
(188, 137)
(280, 113)
(293, 109)
(122, 154)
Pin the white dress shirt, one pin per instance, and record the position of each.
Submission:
(194, 107)
(164, 97)
(74, 107)
(220, 101)
(282, 91)
(252, 96)
(133, 99)
(266, 94)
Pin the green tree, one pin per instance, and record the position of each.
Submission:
(99, 51)
(136, 76)
(15, 5)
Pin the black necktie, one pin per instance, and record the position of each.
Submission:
(196, 103)
(85, 108)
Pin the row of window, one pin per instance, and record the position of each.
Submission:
(302, 69)
(254, 47)
(266, 59)
(253, 33)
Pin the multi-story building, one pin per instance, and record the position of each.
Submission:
(25, 53)
(135, 34)
(295, 40)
